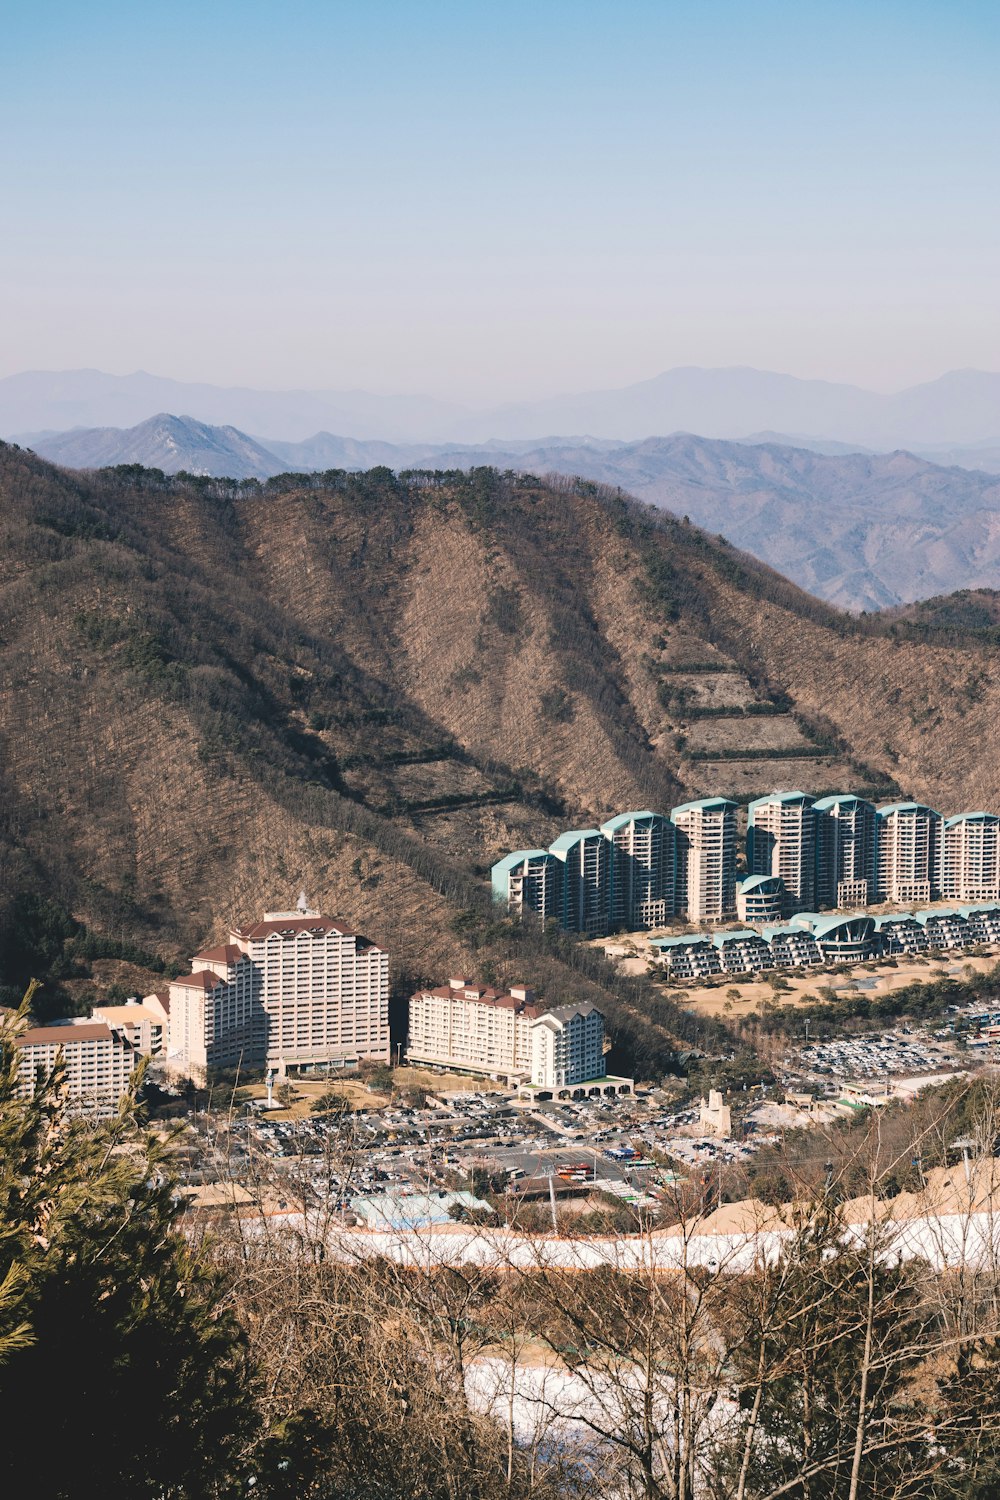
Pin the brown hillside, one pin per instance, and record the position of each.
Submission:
(214, 694)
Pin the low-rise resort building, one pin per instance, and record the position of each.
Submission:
(811, 938)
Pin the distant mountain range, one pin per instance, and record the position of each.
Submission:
(862, 530)
(959, 410)
(163, 442)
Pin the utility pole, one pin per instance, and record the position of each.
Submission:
(552, 1201)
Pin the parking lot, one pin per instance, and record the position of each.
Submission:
(890, 1053)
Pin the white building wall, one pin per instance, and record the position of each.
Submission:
(567, 1047)
(471, 1029)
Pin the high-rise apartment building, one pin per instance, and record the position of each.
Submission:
(845, 851)
(908, 838)
(706, 858)
(470, 1028)
(320, 992)
(970, 857)
(585, 856)
(781, 840)
(529, 880)
(643, 874)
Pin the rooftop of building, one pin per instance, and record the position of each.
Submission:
(783, 798)
(971, 817)
(771, 884)
(684, 940)
(58, 1036)
(289, 924)
(838, 799)
(904, 807)
(228, 953)
(622, 820)
(478, 994)
(823, 925)
(571, 837)
(201, 979)
(510, 860)
(563, 1013)
(736, 935)
(704, 804)
(128, 1015)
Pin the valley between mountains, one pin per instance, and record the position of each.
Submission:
(369, 686)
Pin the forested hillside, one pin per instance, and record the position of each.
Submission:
(368, 686)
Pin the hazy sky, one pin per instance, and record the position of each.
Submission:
(491, 200)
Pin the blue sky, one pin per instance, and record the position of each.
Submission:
(487, 201)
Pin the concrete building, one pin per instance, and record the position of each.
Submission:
(983, 922)
(842, 939)
(585, 856)
(689, 956)
(212, 1021)
(761, 898)
(907, 838)
(792, 947)
(715, 1117)
(945, 928)
(706, 858)
(144, 1024)
(567, 1047)
(529, 880)
(469, 1028)
(970, 857)
(742, 952)
(643, 874)
(781, 840)
(901, 933)
(845, 851)
(320, 992)
(99, 1061)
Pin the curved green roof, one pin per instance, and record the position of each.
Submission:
(571, 838)
(741, 935)
(901, 807)
(704, 804)
(623, 819)
(510, 860)
(826, 803)
(757, 882)
(971, 817)
(825, 927)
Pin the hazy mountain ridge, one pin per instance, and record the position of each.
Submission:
(960, 408)
(864, 531)
(173, 444)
